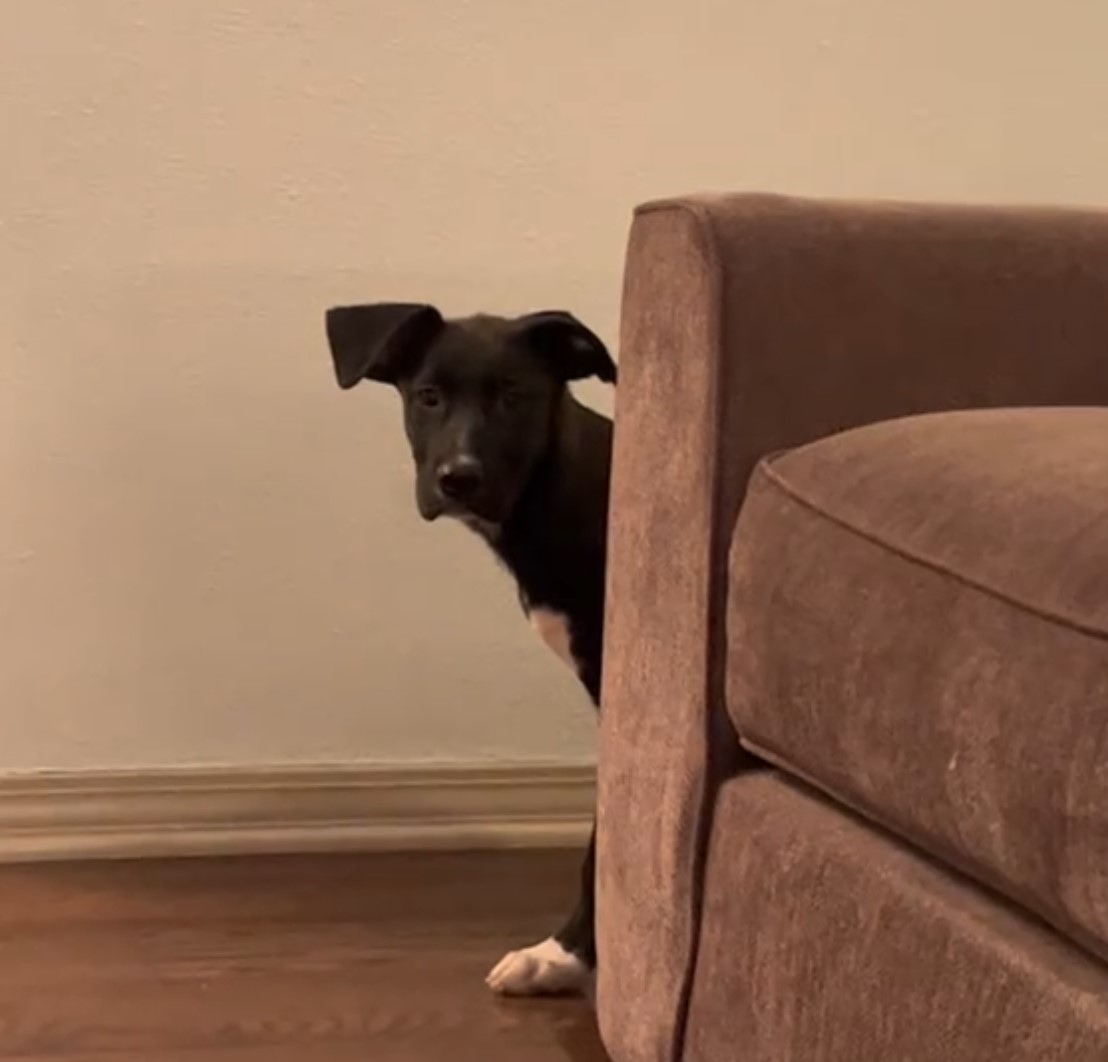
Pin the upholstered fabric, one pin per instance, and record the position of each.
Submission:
(919, 624)
(753, 324)
(826, 941)
(661, 703)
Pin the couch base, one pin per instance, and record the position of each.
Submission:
(823, 940)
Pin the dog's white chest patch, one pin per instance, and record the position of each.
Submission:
(553, 628)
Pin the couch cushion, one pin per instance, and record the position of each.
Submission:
(917, 624)
(824, 941)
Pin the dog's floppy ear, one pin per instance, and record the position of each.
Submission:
(573, 351)
(379, 341)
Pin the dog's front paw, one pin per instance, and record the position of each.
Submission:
(541, 970)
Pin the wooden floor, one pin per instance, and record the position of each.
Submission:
(295, 959)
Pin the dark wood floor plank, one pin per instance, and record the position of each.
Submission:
(320, 958)
(288, 888)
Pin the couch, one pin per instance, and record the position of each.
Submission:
(853, 786)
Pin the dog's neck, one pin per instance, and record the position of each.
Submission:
(554, 543)
(561, 515)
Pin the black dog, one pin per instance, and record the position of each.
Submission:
(500, 443)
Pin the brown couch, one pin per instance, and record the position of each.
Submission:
(907, 620)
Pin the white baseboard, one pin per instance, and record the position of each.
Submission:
(230, 811)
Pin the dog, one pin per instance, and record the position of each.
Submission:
(501, 444)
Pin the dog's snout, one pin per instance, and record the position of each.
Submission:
(460, 478)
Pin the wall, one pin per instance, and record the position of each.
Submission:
(209, 555)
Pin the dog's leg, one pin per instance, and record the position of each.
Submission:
(561, 964)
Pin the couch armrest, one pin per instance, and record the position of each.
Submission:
(752, 324)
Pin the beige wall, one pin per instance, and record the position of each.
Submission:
(207, 554)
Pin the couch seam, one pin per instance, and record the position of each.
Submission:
(939, 851)
(1058, 618)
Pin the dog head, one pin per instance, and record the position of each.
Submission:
(481, 394)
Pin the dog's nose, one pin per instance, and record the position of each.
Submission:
(460, 478)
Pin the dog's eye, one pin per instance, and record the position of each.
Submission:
(510, 398)
(428, 397)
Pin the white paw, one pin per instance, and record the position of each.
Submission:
(542, 970)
